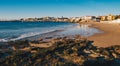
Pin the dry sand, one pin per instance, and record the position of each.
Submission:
(110, 37)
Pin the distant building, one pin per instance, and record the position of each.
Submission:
(110, 17)
(39, 19)
(88, 17)
(59, 19)
(65, 19)
(98, 19)
(103, 18)
(72, 19)
(62, 19)
(117, 17)
(77, 19)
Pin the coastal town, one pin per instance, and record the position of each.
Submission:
(107, 18)
(110, 17)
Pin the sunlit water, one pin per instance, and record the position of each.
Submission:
(10, 31)
(83, 30)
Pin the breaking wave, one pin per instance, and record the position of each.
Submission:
(27, 35)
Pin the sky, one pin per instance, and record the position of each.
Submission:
(15, 9)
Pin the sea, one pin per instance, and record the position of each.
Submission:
(11, 31)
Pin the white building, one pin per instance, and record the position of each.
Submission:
(87, 17)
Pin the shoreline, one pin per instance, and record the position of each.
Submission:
(76, 28)
(109, 37)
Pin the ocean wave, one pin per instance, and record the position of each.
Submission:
(3, 40)
(28, 35)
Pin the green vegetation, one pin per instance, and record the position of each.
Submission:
(63, 52)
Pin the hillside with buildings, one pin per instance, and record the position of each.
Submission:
(106, 18)
(109, 17)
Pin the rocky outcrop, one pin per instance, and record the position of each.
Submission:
(64, 51)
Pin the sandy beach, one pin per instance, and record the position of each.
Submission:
(110, 37)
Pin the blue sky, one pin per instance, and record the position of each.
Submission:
(13, 9)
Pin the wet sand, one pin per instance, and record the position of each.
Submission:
(110, 37)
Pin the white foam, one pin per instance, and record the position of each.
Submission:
(26, 36)
(3, 40)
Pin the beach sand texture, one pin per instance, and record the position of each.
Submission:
(111, 35)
